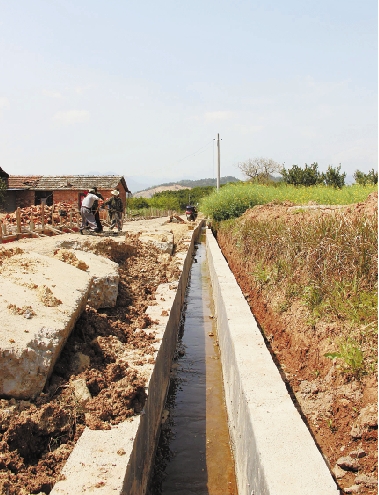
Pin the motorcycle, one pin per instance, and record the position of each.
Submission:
(191, 213)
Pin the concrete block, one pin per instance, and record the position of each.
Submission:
(104, 272)
(41, 300)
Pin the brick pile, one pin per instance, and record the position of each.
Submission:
(58, 214)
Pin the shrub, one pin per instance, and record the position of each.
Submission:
(333, 177)
(297, 176)
(364, 179)
(138, 203)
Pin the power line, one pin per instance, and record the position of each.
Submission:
(204, 148)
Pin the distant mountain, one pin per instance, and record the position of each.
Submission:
(187, 183)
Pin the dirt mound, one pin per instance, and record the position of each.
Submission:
(288, 211)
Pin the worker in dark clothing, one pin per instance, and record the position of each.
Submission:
(116, 209)
(95, 210)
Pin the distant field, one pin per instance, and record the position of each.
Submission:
(233, 200)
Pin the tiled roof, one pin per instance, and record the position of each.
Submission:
(71, 182)
(22, 181)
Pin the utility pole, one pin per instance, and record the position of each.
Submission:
(218, 162)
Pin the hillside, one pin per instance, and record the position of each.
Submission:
(183, 184)
(149, 193)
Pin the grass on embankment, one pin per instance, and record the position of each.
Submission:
(234, 199)
(328, 263)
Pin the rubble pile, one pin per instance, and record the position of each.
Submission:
(58, 214)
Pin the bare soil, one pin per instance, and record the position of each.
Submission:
(340, 410)
(107, 351)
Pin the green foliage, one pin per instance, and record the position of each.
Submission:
(137, 203)
(312, 296)
(202, 182)
(365, 179)
(232, 200)
(334, 178)
(181, 198)
(297, 176)
(351, 355)
(166, 201)
(261, 274)
(310, 176)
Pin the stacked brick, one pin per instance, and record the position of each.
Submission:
(60, 215)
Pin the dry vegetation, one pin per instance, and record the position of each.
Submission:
(310, 276)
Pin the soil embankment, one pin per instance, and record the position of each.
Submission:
(340, 408)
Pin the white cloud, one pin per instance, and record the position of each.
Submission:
(4, 102)
(51, 94)
(72, 116)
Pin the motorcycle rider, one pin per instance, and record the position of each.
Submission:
(116, 209)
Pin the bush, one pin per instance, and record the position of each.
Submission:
(297, 176)
(365, 179)
(138, 203)
(333, 177)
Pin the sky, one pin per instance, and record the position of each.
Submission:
(143, 89)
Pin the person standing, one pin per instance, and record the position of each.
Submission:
(95, 210)
(88, 218)
(116, 209)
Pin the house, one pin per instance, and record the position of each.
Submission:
(30, 190)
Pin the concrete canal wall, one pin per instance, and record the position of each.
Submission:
(274, 451)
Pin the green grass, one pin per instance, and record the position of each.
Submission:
(234, 199)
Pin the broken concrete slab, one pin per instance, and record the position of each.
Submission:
(42, 298)
(74, 250)
(162, 240)
(105, 277)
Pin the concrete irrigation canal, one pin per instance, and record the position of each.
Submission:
(193, 454)
(217, 418)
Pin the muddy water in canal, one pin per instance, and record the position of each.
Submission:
(193, 455)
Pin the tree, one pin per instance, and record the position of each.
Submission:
(259, 169)
(297, 176)
(138, 203)
(333, 177)
(364, 179)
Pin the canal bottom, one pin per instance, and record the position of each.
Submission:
(193, 455)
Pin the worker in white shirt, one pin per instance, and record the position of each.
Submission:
(88, 218)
